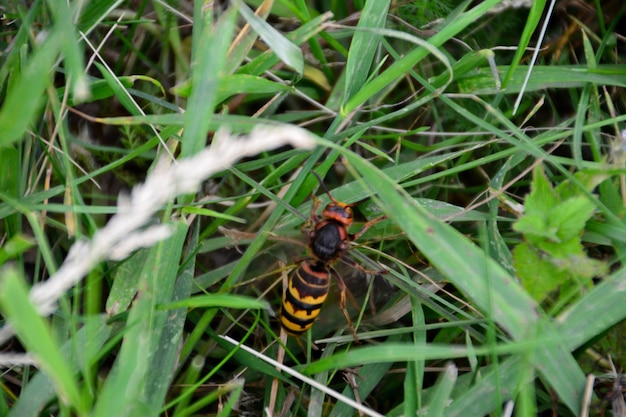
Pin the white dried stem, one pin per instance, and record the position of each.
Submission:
(127, 231)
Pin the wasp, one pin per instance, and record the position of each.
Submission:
(309, 284)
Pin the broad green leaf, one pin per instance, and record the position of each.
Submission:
(559, 249)
(38, 337)
(581, 266)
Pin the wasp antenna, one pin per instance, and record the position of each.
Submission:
(324, 186)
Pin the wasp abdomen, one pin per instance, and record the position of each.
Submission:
(304, 296)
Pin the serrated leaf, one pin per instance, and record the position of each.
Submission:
(538, 275)
(589, 180)
(570, 216)
(542, 197)
(534, 226)
(561, 248)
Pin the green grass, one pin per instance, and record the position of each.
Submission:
(157, 176)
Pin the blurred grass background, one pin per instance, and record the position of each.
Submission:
(491, 134)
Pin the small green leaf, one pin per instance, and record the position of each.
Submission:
(590, 55)
(14, 247)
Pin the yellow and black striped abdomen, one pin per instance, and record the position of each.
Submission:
(304, 296)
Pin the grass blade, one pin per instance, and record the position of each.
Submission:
(289, 53)
(129, 387)
(364, 46)
(24, 97)
(209, 56)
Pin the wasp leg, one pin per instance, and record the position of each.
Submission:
(314, 207)
(313, 219)
(361, 268)
(365, 227)
(342, 304)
